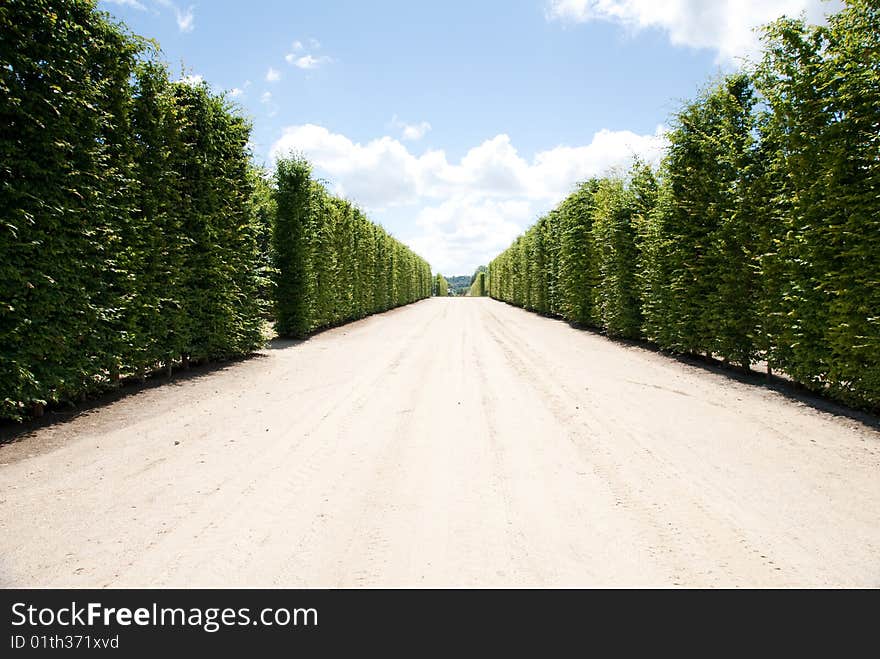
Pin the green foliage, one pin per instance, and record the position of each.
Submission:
(294, 282)
(820, 252)
(263, 212)
(219, 279)
(459, 284)
(479, 286)
(552, 269)
(759, 236)
(333, 265)
(618, 304)
(578, 276)
(709, 242)
(441, 286)
(126, 234)
(650, 277)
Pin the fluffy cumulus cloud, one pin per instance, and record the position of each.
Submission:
(726, 26)
(304, 60)
(464, 212)
(411, 132)
(307, 61)
(185, 17)
(466, 231)
(193, 79)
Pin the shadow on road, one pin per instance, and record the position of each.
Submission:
(61, 413)
(57, 414)
(283, 344)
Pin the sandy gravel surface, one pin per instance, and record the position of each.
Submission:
(455, 442)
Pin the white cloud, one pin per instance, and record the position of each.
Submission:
(726, 26)
(493, 169)
(135, 4)
(186, 20)
(557, 168)
(303, 60)
(466, 211)
(273, 75)
(307, 61)
(237, 92)
(194, 80)
(466, 231)
(411, 132)
(185, 17)
(416, 132)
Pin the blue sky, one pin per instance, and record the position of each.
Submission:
(456, 124)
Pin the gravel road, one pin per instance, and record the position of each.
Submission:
(454, 442)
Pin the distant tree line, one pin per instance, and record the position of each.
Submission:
(135, 235)
(459, 284)
(759, 236)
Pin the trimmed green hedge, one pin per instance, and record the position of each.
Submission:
(126, 227)
(759, 237)
(441, 286)
(820, 202)
(706, 229)
(333, 265)
(479, 287)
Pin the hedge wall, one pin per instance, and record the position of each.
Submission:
(126, 229)
(441, 286)
(333, 265)
(758, 238)
(820, 201)
(478, 288)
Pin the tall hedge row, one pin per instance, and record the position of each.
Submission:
(820, 200)
(126, 235)
(334, 265)
(478, 287)
(706, 227)
(759, 236)
(441, 286)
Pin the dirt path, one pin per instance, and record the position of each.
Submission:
(455, 442)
